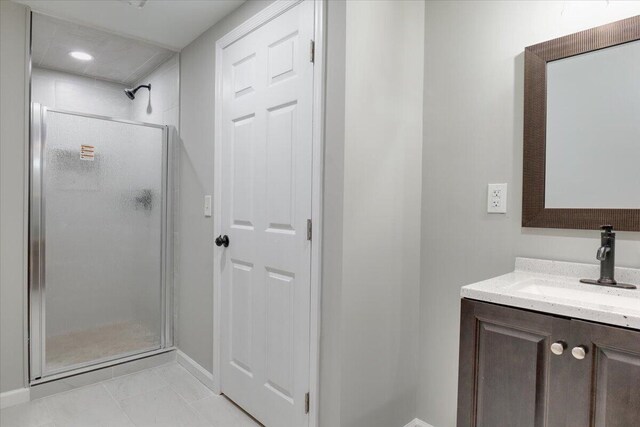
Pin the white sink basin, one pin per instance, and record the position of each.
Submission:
(580, 292)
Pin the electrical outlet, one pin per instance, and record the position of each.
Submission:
(497, 198)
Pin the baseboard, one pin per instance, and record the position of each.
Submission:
(14, 397)
(194, 368)
(418, 423)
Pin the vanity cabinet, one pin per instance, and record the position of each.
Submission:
(511, 376)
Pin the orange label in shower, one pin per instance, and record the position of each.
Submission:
(87, 152)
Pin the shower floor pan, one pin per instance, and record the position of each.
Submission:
(98, 344)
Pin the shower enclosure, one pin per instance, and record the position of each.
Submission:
(100, 259)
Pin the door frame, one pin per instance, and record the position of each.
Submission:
(275, 9)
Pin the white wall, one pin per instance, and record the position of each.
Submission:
(13, 158)
(194, 243)
(473, 115)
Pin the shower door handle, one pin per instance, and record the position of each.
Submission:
(222, 241)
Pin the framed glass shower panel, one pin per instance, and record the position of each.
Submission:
(98, 240)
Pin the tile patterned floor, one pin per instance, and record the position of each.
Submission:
(166, 396)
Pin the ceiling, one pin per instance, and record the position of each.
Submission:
(115, 58)
(172, 24)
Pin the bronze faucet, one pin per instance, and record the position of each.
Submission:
(607, 256)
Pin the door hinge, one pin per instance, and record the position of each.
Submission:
(312, 51)
(309, 229)
(306, 403)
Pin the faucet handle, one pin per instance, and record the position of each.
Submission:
(601, 255)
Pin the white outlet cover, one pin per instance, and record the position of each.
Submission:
(497, 198)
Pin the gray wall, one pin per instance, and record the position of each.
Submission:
(194, 243)
(381, 219)
(13, 32)
(332, 215)
(473, 114)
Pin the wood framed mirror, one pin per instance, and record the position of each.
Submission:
(582, 129)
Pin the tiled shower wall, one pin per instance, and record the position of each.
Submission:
(161, 105)
(56, 89)
(72, 92)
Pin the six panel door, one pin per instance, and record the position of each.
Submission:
(266, 201)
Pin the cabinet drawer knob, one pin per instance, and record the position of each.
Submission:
(558, 347)
(579, 352)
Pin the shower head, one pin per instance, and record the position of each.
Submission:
(131, 93)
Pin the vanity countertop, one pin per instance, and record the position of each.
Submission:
(553, 287)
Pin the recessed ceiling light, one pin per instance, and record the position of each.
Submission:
(82, 56)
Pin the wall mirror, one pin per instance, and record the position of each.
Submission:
(582, 129)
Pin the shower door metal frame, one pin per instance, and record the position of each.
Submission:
(37, 250)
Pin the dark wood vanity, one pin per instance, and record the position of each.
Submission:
(511, 376)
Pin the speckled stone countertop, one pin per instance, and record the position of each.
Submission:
(554, 287)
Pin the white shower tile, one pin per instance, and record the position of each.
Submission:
(134, 384)
(162, 407)
(170, 117)
(183, 383)
(43, 91)
(87, 406)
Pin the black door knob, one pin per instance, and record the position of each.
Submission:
(222, 241)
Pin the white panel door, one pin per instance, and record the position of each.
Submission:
(266, 200)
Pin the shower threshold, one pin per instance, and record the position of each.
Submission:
(100, 364)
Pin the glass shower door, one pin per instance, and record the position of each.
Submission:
(101, 240)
